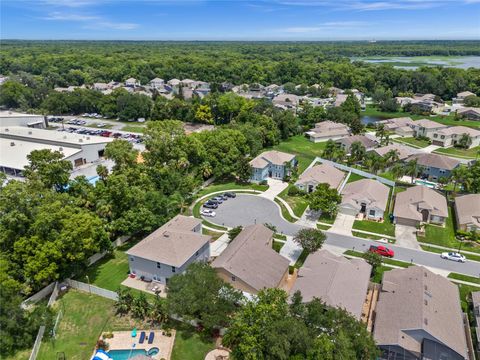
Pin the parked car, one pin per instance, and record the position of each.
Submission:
(218, 199)
(210, 205)
(230, 194)
(207, 212)
(381, 250)
(454, 256)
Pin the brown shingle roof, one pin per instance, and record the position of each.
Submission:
(336, 280)
(409, 203)
(428, 124)
(323, 173)
(364, 140)
(416, 298)
(173, 243)
(373, 192)
(435, 160)
(467, 208)
(251, 258)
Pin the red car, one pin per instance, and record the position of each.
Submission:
(381, 250)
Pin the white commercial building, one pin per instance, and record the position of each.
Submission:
(11, 118)
(17, 142)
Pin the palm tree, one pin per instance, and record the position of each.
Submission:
(329, 150)
(465, 141)
(357, 151)
(381, 132)
(158, 310)
(459, 176)
(397, 170)
(124, 302)
(206, 170)
(391, 157)
(140, 306)
(412, 169)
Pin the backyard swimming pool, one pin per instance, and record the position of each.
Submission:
(128, 354)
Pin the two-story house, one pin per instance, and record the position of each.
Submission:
(272, 164)
(169, 250)
(426, 128)
(434, 166)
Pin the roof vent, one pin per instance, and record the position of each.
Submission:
(60, 148)
(80, 140)
(425, 321)
(7, 129)
(88, 137)
(64, 136)
(166, 234)
(12, 144)
(29, 133)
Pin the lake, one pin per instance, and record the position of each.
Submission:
(365, 119)
(413, 62)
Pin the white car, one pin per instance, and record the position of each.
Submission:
(454, 256)
(207, 212)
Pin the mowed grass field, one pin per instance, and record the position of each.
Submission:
(304, 149)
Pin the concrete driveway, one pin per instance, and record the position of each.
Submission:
(252, 209)
(343, 224)
(406, 237)
(275, 187)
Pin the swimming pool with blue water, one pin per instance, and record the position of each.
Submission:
(128, 354)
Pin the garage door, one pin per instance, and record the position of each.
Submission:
(348, 210)
(436, 142)
(407, 222)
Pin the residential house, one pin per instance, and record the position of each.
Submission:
(469, 113)
(434, 166)
(418, 316)
(174, 83)
(101, 86)
(169, 250)
(132, 82)
(402, 151)
(334, 279)
(401, 126)
(426, 128)
(346, 142)
(451, 136)
(273, 164)
(320, 174)
(476, 313)
(249, 262)
(328, 130)
(340, 99)
(286, 101)
(467, 211)
(157, 83)
(334, 91)
(189, 83)
(366, 197)
(420, 204)
(460, 98)
(425, 103)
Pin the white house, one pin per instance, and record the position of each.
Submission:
(132, 82)
(157, 83)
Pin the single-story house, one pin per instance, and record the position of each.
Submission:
(132, 82)
(328, 130)
(249, 262)
(467, 211)
(395, 123)
(406, 131)
(418, 316)
(420, 204)
(434, 166)
(273, 164)
(368, 197)
(101, 86)
(460, 98)
(403, 151)
(289, 101)
(336, 280)
(319, 174)
(346, 142)
(426, 128)
(469, 113)
(169, 250)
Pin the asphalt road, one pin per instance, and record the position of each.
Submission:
(253, 209)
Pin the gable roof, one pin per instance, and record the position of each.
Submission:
(464, 94)
(373, 192)
(336, 280)
(251, 258)
(271, 157)
(394, 123)
(459, 130)
(467, 208)
(428, 124)
(364, 140)
(410, 202)
(323, 173)
(173, 243)
(329, 128)
(468, 110)
(403, 151)
(416, 298)
(435, 160)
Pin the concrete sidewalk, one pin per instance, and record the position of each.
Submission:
(219, 245)
(291, 250)
(275, 187)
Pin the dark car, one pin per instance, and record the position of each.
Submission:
(210, 205)
(230, 194)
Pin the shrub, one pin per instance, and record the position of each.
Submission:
(294, 191)
(263, 182)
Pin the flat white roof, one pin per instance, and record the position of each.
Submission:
(11, 114)
(15, 157)
(60, 137)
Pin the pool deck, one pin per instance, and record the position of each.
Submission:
(122, 340)
(148, 287)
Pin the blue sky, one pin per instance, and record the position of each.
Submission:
(240, 19)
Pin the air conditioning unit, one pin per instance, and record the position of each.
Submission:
(12, 144)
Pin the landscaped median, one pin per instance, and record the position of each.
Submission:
(285, 213)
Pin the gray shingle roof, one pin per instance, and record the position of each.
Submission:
(323, 173)
(410, 202)
(467, 208)
(373, 192)
(273, 156)
(435, 160)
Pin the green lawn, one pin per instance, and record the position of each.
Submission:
(304, 149)
(462, 153)
(285, 212)
(413, 141)
(134, 128)
(366, 236)
(86, 316)
(386, 227)
(298, 203)
(378, 276)
(277, 245)
(301, 259)
(465, 291)
(214, 234)
(355, 177)
(472, 279)
(323, 227)
(385, 260)
(324, 218)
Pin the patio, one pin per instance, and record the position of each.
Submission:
(148, 287)
(123, 340)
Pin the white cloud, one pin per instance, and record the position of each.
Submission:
(91, 21)
(326, 26)
(111, 25)
(376, 5)
(69, 17)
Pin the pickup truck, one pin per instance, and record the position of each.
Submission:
(381, 250)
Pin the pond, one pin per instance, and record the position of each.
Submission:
(366, 119)
(413, 62)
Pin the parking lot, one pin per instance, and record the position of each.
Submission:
(251, 209)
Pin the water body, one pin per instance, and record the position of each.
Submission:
(365, 119)
(414, 62)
